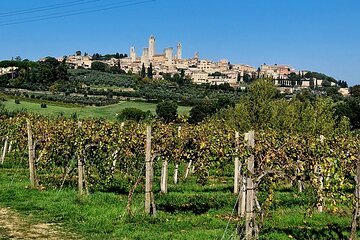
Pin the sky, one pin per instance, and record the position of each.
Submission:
(316, 35)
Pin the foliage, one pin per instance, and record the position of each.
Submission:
(100, 66)
(350, 108)
(133, 114)
(167, 111)
(201, 110)
(320, 76)
(355, 91)
(288, 148)
(34, 75)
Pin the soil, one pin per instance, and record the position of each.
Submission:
(13, 226)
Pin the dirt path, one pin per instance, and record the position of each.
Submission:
(12, 226)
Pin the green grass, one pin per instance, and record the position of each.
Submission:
(108, 112)
(102, 215)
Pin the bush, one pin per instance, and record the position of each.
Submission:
(43, 105)
(133, 114)
(167, 111)
(17, 101)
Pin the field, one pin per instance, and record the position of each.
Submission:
(101, 179)
(103, 215)
(106, 112)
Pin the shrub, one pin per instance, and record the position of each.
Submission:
(133, 114)
(167, 111)
(17, 101)
(43, 105)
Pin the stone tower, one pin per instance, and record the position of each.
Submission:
(151, 47)
(145, 57)
(179, 51)
(196, 55)
(132, 54)
(169, 55)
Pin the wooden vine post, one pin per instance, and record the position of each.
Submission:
(188, 168)
(31, 154)
(149, 174)
(355, 215)
(239, 181)
(176, 170)
(80, 175)
(236, 164)
(164, 177)
(299, 182)
(80, 169)
(321, 182)
(4, 149)
(250, 194)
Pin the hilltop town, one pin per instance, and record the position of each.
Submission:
(200, 70)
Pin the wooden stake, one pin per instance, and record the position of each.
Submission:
(80, 175)
(164, 176)
(85, 178)
(250, 224)
(31, 154)
(188, 169)
(176, 170)
(149, 197)
(4, 150)
(242, 199)
(80, 168)
(176, 173)
(10, 146)
(236, 164)
(357, 203)
(321, 182)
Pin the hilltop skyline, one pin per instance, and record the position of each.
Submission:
(320, 36)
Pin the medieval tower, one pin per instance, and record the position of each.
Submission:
(151, 47)
(132, 54)
(145, 57)
(169, 55)
(179, 51)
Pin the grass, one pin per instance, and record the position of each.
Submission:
(102, 215)
(108, 112)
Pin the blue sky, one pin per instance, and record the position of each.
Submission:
(318, 35)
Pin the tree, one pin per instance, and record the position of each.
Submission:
(167, 111)
(238, 78)
(133, 114)
(326, 83)
(334, 93)
(78, 53)
(96, 56)
(201, 110)
(342, 84)
(350, 109)
(150, 71)
(182, 74)
(260, 93)
(355, 91)
(99, 66)
(143, 72)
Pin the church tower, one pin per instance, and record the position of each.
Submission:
(151, 47)
(145, 57)
(132, 54)
(179, 51)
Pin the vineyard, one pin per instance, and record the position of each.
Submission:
(96, 155)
